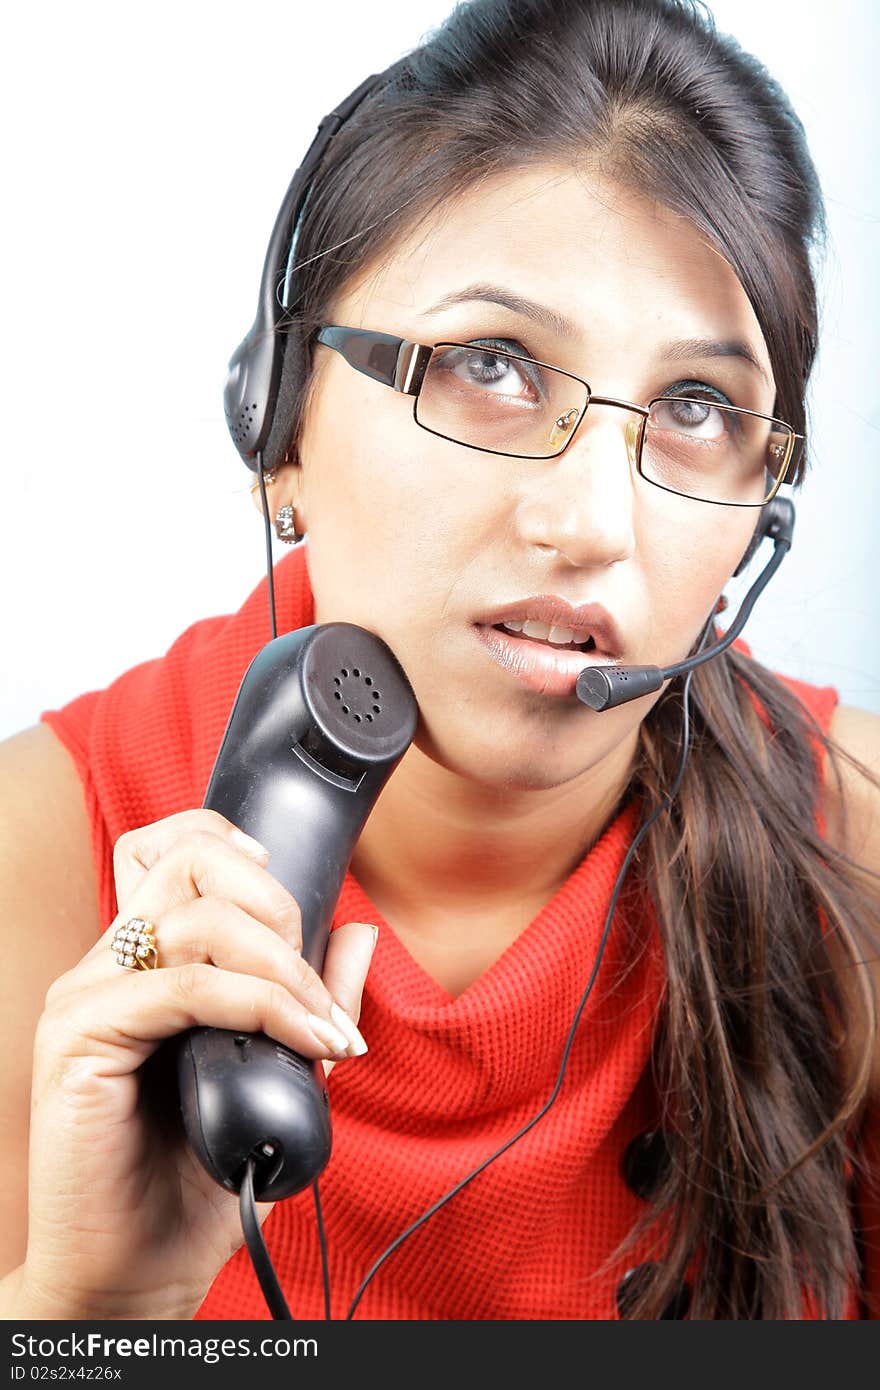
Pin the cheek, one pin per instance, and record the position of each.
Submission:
(687, 557)
(381, 515)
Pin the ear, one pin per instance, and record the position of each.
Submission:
(281, 489)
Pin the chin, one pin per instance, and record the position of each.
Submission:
(507, 767)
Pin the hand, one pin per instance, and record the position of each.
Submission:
(123, 1220)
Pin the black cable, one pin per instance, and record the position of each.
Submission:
(268, 529)
(253, 1236)
(664, 805)
(322, 1240)
(257, 1246)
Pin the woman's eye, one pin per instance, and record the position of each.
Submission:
(705, 416)
(483, 365)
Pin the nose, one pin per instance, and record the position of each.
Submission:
(582, 502)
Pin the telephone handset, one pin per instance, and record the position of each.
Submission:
(322, 717)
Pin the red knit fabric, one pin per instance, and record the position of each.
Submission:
(446, 1079)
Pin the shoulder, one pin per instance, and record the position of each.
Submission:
(46, 824)
(47, 876)
(852, 824)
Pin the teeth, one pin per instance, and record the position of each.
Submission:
(557, 636)
(568, 634)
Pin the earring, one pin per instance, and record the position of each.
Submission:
(269, 476)
(285, 525)
(721, 604)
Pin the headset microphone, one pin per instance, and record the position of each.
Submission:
(602, 687)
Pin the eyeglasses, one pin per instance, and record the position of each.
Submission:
(505, 403)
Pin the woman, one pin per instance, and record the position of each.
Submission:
(611, 191)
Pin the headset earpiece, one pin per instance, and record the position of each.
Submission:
(265, 356)
(250, 390)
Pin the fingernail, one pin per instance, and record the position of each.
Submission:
(357, 1046)
(328, 1036)
(373, 928)
(248, 844)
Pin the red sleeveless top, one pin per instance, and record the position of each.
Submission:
(447, 1080)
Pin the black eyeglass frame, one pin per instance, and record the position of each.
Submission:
(401, 364)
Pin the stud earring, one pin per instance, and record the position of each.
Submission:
(269, 476)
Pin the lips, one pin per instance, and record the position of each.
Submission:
(555, 611)
(537, 666)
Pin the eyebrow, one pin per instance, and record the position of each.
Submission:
(564, 328)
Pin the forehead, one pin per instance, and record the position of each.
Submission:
(608, 258)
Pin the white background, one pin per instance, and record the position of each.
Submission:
(147, 149)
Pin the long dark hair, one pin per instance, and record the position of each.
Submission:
(761, 1119)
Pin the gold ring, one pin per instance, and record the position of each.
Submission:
(134, 945)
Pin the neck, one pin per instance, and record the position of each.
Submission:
(438, 845)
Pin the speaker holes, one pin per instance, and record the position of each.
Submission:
(242, 424)
(356, 709)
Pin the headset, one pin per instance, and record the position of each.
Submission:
(267, 373)
(267, 370)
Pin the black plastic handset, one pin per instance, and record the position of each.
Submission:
(321, 719)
